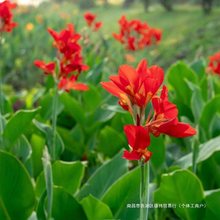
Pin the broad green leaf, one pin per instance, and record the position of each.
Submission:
(96, 209)
(48, 132)
(73, 140)
(197, 102)
(199, 68)
(157, 147)
(37, 143)
(22, 149)
(105, 143)
(65, 174)
(206, 150)
(17, 125)
(73, 107)
(123, 192)
(104, 177)
(212, 202)
(181, 187)
(177, 76)
(47, 106)
(91, 98)
(64, 206)
(208, 112)
(207, 178)
(17, 199)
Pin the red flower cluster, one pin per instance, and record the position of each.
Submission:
(90, 19)
(136, 35)
(6, 23)
(214, 64)
(70, 59)
(135, 88)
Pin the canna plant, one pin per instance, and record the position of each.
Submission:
(65, 72)
(137, 89)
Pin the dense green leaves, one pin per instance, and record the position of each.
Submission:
(17, 125)
(17, 199)
(104, 177)
(65, 174)
(122, 193)
(96, 209)
(212, 202)
(205, 151)
(179, 188)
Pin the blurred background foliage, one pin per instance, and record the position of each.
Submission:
(181, 21)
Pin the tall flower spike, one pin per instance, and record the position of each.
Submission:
(138, 140)
(165, 119)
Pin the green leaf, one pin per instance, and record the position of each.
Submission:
(91, 98)
(73, 108)
(206, 150)
(22, 149)
(104, 177)
(208, 112)
(105, 143)
(65, 174)
(96, 209)
(157, 147)
(199, 68)
(48, 132)
(181, 187)
(212, 201)
(17, 125)
(17, 197)
(37, 143)
(124, 191)
(64, 206)
(177, 75)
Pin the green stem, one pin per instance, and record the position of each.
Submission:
(54, 122)
(49, 181)
(144, 189)
(195, 153)
(210, 87)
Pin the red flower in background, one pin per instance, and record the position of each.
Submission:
(6, 22)
(138, 140)
(136, 35)
(70, 60)
(165, 119)
(135, 87)
(214, 63)
(90, 19)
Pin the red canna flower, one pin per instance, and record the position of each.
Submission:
(136, 35)
(47, 68)
(138, 140)
(70, 63)
(165, 119)
(70, 83)
(97, 25)
(6, 23)
(89, 18)
(135, 87)
(214, 64)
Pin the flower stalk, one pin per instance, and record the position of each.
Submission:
(144, 189)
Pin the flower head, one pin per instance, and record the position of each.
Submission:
(135, 87)
(214, 64)
(70, 63)
(6, 22)
(90, 19)
(165, 120)
(136, 35)
(138, 140)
